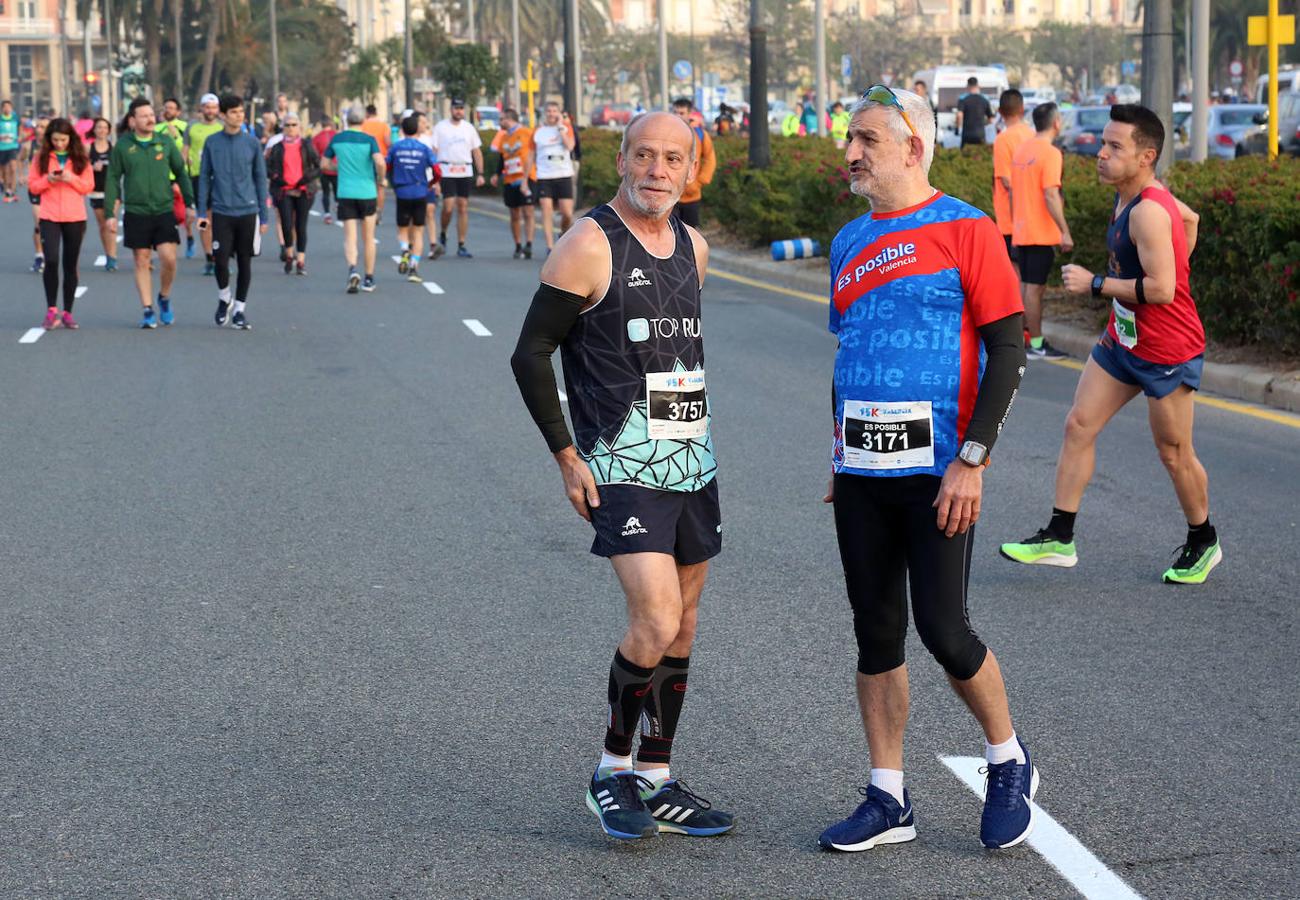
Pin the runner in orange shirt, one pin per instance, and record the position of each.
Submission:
(1011, 106)
(1038, 224)
(383, 135)
(519, 175)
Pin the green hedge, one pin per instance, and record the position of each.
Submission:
(1245, 271)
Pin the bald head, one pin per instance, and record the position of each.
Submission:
(658, 127)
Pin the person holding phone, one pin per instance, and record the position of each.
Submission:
(61, 177)
(99, 151)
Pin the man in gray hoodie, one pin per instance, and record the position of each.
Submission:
(234, 201)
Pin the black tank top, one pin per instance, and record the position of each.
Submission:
(634, 368)
(101, 175)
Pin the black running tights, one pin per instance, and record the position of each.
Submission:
(329, 184)
(234, 235)
(69, 235)
(294, 213)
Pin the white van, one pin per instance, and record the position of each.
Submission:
(947, 84)
(1288, 79)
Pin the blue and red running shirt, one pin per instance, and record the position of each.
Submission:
(909, 291)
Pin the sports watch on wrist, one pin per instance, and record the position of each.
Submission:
(974, 453)
(1097, 282)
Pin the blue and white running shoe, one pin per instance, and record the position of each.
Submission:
(1008, 791)
(149, 320)
(679, 811)
(616, 800)
(877, 820)
(165, 314)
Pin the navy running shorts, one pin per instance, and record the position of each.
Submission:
(8, 156)
(687, 525)
(1157, 380)
(1035, 262)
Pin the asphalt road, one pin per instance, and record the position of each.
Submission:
(302, 612)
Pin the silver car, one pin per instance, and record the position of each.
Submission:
(1230, 129)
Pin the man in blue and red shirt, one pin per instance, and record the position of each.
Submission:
(927, 310)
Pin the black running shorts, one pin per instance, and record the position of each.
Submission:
(356, 209)
(555, 188)
(515, 198)
(1035, 262)
(457, 187)
(411, 212)
(140, 232)
(636, 519)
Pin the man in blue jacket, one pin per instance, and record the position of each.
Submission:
(411, 166)
(233, 200)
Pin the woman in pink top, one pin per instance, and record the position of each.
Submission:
(62, 177)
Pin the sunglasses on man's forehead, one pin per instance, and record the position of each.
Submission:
(885, 96)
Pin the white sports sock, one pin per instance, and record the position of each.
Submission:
(224, 294)
(1005, 751)
(890, 781)
(405, 245)
(239, 306)
(611, 763)
(655, 776)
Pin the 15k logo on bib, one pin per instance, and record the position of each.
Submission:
(888, 435)
(676, 405)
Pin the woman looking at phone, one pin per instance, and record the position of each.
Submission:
(61, 177)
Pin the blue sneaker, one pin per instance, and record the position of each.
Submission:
(110, 264)
(877, 820)
(189, 248)
(165, 314)
(1008, 816)
(679, 811)
(463, 253)
(616, 800)
(149, 320)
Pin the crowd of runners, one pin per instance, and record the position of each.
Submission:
(926, 303)
(219, 182)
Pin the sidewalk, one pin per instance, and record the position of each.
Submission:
(810, 277)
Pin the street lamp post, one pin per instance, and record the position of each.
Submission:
(1200, 79)
(176, 28)
(408, 55)
(819, 36)
(275, 56)
(514, 45)
(663, 55)
(760, 150)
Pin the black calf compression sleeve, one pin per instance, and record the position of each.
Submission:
(663, 709)
(629, 684)
(551, 316)
(1004, 344)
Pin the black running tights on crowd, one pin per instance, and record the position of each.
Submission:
(329, 184)
(70, 235)
(888, 537)
(294, 213)
(234, 235)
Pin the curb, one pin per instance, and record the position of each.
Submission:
(1252, 384)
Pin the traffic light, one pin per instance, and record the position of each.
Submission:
(92, 78)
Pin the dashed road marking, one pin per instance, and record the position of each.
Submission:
(31, 335)
(81, 291)
(315, 212)
(477, 327)
(1074, 861)
(434, 288)
(101, 261)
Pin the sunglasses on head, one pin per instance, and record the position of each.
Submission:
(885, 96)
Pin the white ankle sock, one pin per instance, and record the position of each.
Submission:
(224, 294)
(890, 781)
(610, 762)
(239, 306)
(1005, 751)
(656, 775)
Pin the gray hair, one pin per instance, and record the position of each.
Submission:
(919, 111)
(355, 116)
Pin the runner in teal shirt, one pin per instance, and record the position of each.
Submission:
(8, 150)
(354, 150)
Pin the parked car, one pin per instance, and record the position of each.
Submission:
(1288, 127)
(1086, 123)
(614, 115)
(1035, 96)
(1230, 128)
(489, 117)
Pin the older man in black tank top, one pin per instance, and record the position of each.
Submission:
(621, 295)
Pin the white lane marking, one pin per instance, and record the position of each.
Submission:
(564, 398)
(433, 288)
(396, 259)
(1074, 861)
(101, 260)
(31, 335)
(315, 212)
(477, 327)
(81, 291)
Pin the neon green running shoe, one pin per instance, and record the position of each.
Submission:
(1194, 564)
(1043, 549)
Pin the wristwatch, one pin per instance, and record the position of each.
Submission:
(1097, 282)
(974, 453)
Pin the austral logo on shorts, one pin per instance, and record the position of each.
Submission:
(633, 526)
(637, 279)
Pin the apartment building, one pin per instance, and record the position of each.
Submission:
(38, 52)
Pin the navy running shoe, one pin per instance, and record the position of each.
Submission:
(679, 811)
(165, 314)
(1008, 794)
(148, 320)
(223, 313)
(616, 801)
(238, 321)
(877, 820)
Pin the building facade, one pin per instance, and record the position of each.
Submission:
(43, 58)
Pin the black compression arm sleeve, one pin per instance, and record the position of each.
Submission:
(549, 319)
(1004, 342)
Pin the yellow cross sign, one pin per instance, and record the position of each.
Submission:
(1273, 30)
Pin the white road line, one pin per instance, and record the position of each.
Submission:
(396, 259)
(101, 260)
(477, 327)
(1074, 861)
(31, 335)
(315, 212)
(81, 291)
(433, 287)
